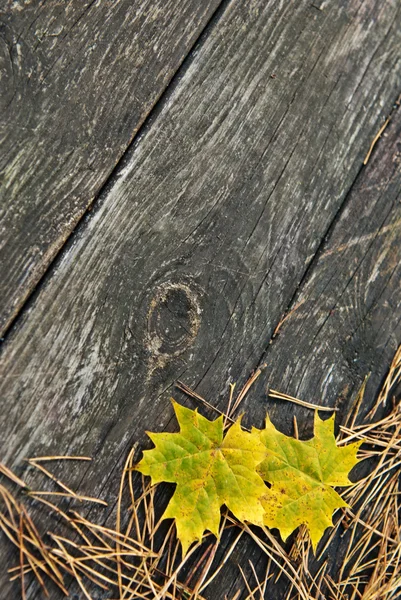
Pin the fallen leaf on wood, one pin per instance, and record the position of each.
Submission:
(210, 470)
(302, 475)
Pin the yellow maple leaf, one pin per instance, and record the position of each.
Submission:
(210, 470)
(301, 474)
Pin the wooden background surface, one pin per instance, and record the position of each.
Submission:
(177, 178)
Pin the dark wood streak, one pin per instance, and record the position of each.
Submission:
(79, 80)
(229, 195)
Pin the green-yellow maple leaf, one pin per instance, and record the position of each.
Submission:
(301, 474)
(210, 470)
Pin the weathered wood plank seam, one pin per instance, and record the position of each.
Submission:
(320, 249)
(114, 175)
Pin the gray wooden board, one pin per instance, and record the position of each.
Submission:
(78, 80)
(195, 253)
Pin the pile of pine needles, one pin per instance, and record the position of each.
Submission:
(139, 557)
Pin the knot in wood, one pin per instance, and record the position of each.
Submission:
(173, 321)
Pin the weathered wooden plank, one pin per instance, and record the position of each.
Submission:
(79, 79)
(192, 257)
(347, 311)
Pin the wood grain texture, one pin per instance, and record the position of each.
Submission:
(205, 239)
(79, 78)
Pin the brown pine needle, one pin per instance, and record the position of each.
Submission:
(247, 387)
(21, 556)
(77, 577)
(51, 476)
(281, 396)
(192, 394)
(227, 555)
(230, 400)
(375, 140)
(11, 476)
(37, 459)
(78, 497)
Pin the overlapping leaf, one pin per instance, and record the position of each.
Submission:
(209, 471)
(301, 474)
